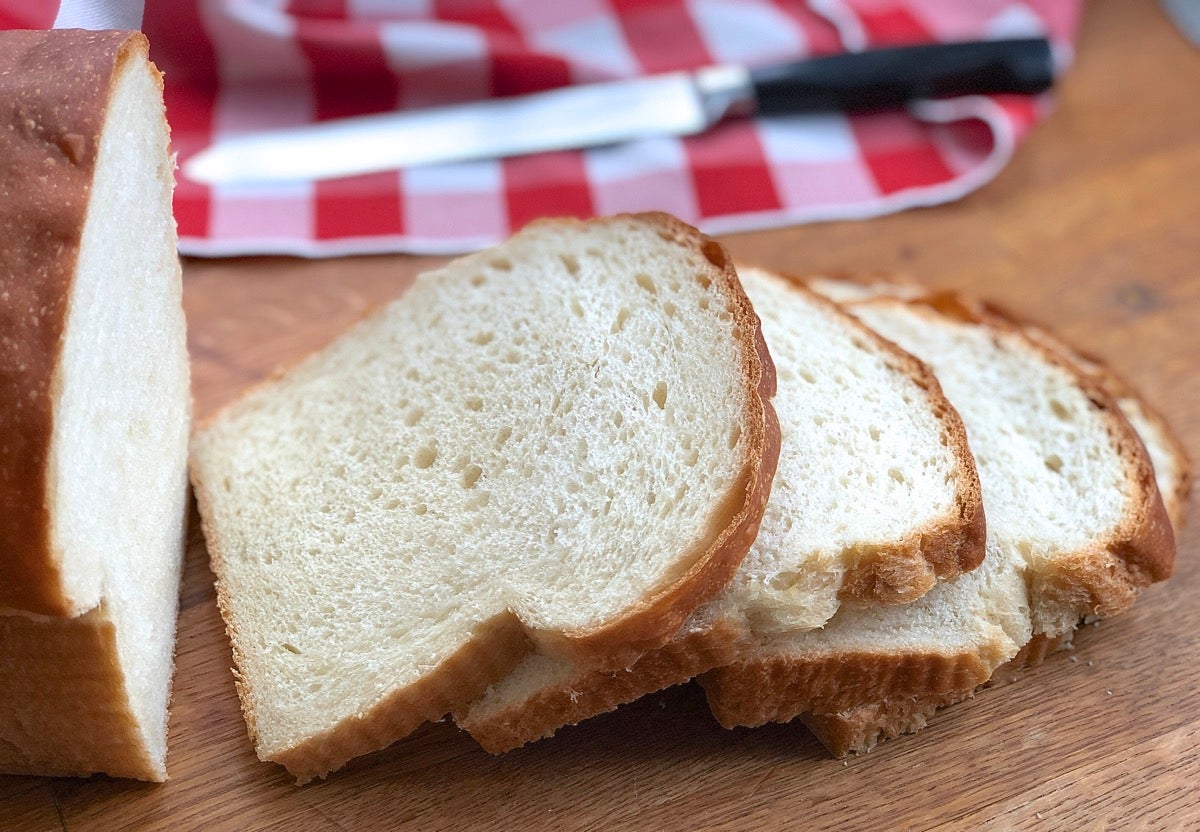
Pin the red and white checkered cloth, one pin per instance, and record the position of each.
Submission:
(234, 66)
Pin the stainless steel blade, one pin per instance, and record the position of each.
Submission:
(583, 116)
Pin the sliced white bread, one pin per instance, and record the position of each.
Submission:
(1075, 527)
(94, 407)
(862, 424)
(565, 441)
(859, 729)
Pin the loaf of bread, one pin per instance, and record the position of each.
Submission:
(563, 442)
(862, 424)
(1076, 526)
(94, 407)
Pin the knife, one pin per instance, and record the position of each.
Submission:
(677, 104)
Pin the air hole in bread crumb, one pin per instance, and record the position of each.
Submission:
(413, 416)
(808, 376)
(704, 304)
(413, 374)
(291, 648)
(1054, 463)
(576, 308)
(618, 419)
(573, 487)
(646, 283)
(478, 280)
(674, 285)
(227, 485)
(735, 436)
(818, 420)
(619, 323)
(874, 431)
(571, 263)
(512, 357)
(705, 282)
(502, 264)
(483, 338)
(471, 476)
(896, 474)
(420, 509)
(474, 403)
(669, 308)
(1060, 410)
(503, 436)
(691, 457)
(425, 456)
(660, 395)
(392, 504)
(340, 472)
(650, 498)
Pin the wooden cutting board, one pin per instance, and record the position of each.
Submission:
(1094, 229)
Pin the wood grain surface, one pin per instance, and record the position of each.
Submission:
(1094, 230)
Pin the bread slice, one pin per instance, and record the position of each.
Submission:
(94, 407)
(565, 441)
(863, 424)
(1075, 527)
(859, 729)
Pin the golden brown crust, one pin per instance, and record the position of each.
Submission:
(904, 570)
(589, 693)
(1175, 499)
(651, 623)
(1103, 579)
(1100, 579)
(64, 709)
(779, 687)
(858, 730)
(54, 91)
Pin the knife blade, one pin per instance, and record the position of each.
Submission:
(591, 115)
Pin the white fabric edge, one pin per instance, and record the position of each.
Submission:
(938, 112)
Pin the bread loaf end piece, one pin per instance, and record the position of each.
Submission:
(96, 406)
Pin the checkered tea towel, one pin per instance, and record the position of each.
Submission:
(236, 66)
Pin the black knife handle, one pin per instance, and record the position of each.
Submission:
(884, 78)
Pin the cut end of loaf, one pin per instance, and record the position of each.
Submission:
(92, 695)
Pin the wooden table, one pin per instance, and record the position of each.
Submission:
(1093, 229)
